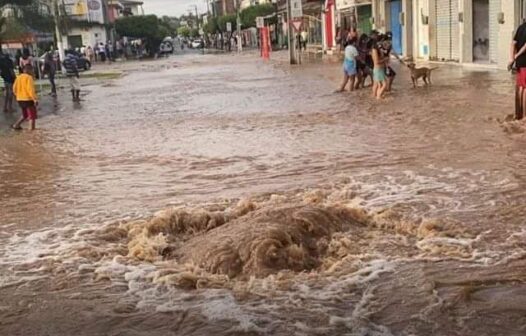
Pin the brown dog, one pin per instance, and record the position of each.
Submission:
(423, 72)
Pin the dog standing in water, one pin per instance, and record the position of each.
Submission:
(423, 72)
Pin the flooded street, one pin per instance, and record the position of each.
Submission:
(222, 195)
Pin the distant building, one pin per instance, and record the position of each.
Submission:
(224, 7)
(28, 37)
(248, 3)
(462, 31)
(89, 19)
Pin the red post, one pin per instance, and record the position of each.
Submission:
(264, 43)
(328, 23)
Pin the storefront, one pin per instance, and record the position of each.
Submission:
(312, 22)
(357, 14)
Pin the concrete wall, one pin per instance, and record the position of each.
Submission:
(466, 31)
(407, 28)
(90, 36)
(510, 8)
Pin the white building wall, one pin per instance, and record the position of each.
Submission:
(510, 9)
(90, 36)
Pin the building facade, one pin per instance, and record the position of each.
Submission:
(89, 20)
(463, 31)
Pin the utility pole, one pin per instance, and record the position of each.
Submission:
(238, 21)
(291, 40)
(60, 45)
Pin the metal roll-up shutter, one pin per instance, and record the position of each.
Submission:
(447, 30)
(455, 31)
(494, 9)
(443, 29)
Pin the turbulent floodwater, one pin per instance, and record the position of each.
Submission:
(222, 195)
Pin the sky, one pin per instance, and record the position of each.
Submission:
(173, 7)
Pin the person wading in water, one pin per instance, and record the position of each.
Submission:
(518, 57)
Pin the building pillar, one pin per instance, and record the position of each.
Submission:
(510, 10)
(407, 28)
(423, 10)
(465, 7)
(385, 9)
(376, 14)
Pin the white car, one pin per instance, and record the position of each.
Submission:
(197, 43)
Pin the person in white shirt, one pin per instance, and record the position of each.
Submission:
(349, 65)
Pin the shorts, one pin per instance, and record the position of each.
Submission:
(29, 110)
(349, 70)
(74, 83)
(521, 77)
(360, 66)
(8, 86)
(379, 75)
(389, 72)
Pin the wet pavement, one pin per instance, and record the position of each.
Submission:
(286, 208)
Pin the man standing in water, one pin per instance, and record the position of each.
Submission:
(7, 72)
(518, 56)
(72, 72)
(50, 69)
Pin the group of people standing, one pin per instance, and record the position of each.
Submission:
(368, 56)
(22, 86)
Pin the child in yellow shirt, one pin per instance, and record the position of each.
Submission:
(24, 91)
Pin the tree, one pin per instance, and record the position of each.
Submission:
(171, 23)
(223, 20)
(15, 2)
(146, 27)
(222, 25)
(183, 31)
(249, 14)
(194, 32)
(27, 18)
(211, 27)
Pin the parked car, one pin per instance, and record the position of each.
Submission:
(82, 62)
(166, 48)
(197, 44)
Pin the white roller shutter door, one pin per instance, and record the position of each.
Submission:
(447, 30)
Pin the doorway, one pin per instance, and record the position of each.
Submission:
(481, 41)
(396, 27)
(364, 14)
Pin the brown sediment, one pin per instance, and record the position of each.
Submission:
(317, 230)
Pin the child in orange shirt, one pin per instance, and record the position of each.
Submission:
(24, 91)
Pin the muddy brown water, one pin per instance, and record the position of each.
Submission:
(223, 195)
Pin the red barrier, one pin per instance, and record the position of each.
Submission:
(265, 52)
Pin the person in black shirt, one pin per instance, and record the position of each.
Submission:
(518, 57)
(7, 72)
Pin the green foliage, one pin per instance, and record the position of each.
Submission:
(15, 2)
(27, 17)
(170, 23)
(194, 32)
(183, 31)
(14, 29)
(147, 27)
(222, 21)
(33, 19)
(249, 14)
(211, 27)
